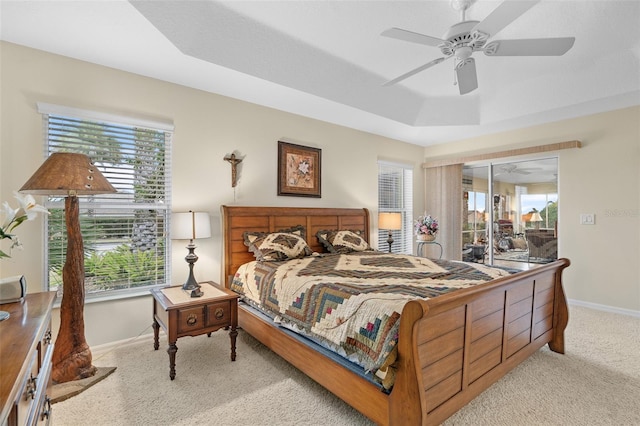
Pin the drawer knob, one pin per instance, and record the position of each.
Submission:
(192, 319)
(47, 337)
(219, 314)
(31, 388)
(46, 411)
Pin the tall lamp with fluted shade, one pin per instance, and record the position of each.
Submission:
(70, 175)
(191, 226)
(536, 219)
(391, 222)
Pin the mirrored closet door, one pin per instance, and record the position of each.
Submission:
(511, 212)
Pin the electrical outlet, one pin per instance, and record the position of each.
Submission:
(587, 219)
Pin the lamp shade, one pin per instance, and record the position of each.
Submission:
(390, 221)
(535, 217)
(65, 173)
(190, 225)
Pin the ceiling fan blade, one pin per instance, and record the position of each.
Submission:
(530, 47)
(415, 71)
(503, 15)
(405, 35)
(466, 75)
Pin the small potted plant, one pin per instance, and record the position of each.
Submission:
(426, 227)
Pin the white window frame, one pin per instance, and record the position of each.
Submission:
(402, 203)
(124, 203)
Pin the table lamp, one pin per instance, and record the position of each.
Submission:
(70, 175)
(536, 219)
(390, 222)
(191, 226)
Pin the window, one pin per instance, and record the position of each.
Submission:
(395, 194)
(474, 229)
(545, 204)
(124, 234)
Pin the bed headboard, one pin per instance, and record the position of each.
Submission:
(238, 219)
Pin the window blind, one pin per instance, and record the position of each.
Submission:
(395, 194)
(123, 233)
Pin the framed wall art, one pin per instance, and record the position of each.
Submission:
(299, 170)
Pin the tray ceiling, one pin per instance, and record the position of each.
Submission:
(327, 60)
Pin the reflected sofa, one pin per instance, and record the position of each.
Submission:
(542, 243)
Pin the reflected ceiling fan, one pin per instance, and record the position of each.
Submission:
(466, 37)
(508, 169)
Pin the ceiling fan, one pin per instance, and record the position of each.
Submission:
(513, 169)
(466, 37)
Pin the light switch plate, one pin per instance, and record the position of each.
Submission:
(587, 219)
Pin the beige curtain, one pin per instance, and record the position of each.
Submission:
(443, 200)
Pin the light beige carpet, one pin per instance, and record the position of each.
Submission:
(596, 383)
(61, 391)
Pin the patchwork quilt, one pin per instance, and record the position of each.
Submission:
(351, 303)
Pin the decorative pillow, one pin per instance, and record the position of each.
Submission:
(275, 246)
(519, 243)
(342, 241)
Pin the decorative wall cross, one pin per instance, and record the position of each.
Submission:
(234, 161)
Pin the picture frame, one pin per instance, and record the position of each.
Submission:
(299, 170)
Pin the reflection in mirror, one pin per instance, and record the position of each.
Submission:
(517, 218)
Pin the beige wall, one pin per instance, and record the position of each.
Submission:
(207, 127)
(603, 177)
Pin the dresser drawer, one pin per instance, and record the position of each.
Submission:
(42, 403)
(26, 373)
(219, 314)
(190, 319)
(28, 389)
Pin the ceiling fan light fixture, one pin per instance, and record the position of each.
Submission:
(463, 53)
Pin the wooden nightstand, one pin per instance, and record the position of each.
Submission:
(181, 315)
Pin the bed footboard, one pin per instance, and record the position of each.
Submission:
(465, 341)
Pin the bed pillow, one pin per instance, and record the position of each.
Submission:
(276, 246)
(345, 241)
(519, 243)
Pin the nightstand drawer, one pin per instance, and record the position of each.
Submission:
(219, 314)
(190, 319)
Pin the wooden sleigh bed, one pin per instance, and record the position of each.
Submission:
(450, 348)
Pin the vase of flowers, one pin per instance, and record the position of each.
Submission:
(11, 218)
(426, 228)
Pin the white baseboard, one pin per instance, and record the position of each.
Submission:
(599, 307)
(108, 347)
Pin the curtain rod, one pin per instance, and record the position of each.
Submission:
(501, 154)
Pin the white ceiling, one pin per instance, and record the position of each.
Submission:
(327, 60)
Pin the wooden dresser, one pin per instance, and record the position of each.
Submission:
(25, 360)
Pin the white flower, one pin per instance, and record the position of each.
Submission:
(8, 215)
(303, 167)
(28, 206)
(13, 218)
